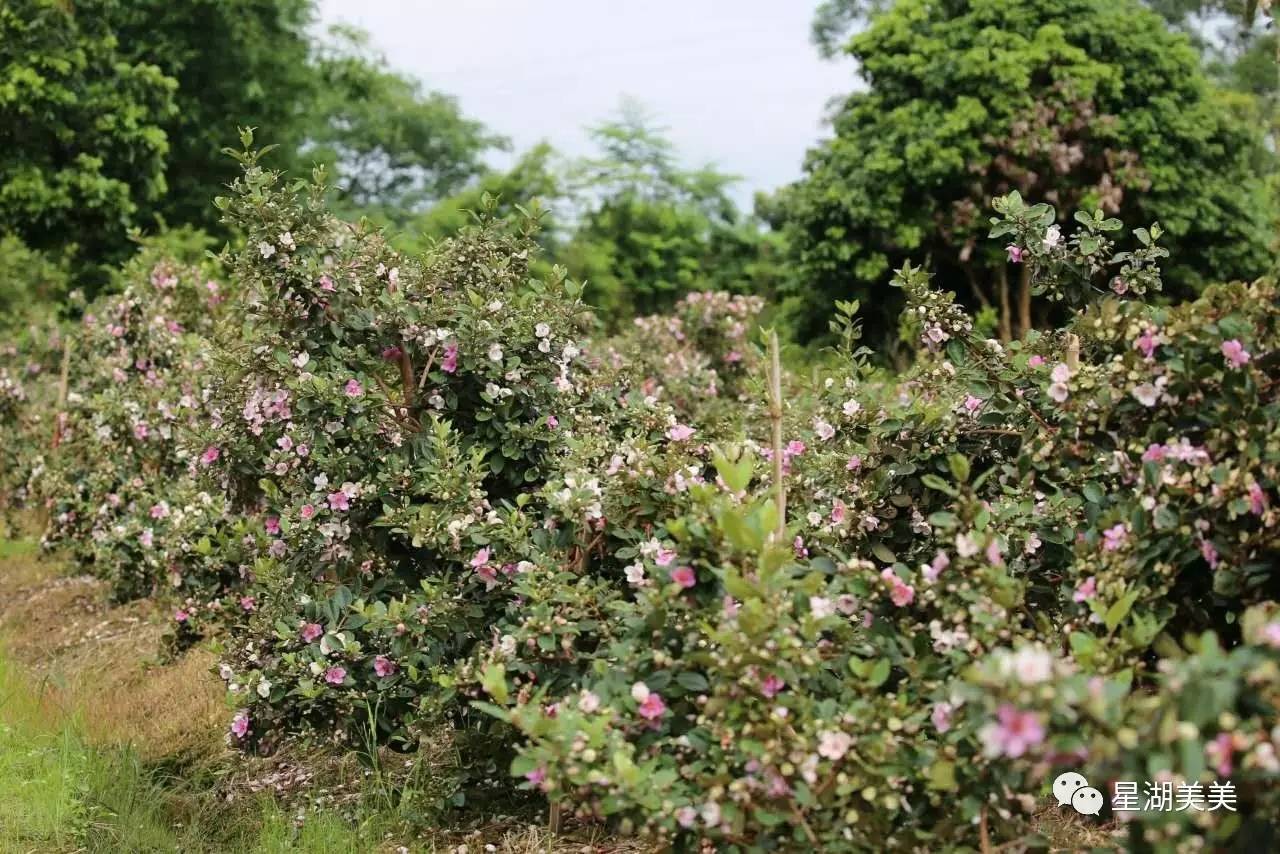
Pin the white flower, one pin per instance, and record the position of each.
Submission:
(851, 407)
(495, 306)
(508, 644)
(821, 607)
(264, 689)
(824, 430)
(542, 330)
(495, 352)
(266, 249)
(301, 360)
(1052, 237)
(1147, 394)
(286, 240)
(966, 546)
(1059, 392)
(588, 702)
(1061, 373)
(635, 574)
(1033, 665)
(639, 692)
(834, 745)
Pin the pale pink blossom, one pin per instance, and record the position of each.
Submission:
(383, 666)
(680, 433)
(1013, 733)
(684, 576)
(312, 631)
(1087, 590)
(941, 716)
(353, 388)
(335, 675)
(1237, 355)
(1114, 537)
(240, 724)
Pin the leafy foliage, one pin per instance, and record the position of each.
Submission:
(1091, 105)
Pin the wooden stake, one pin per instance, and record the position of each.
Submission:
(774, 371)
(59, 417)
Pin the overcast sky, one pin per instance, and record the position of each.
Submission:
(736, 82)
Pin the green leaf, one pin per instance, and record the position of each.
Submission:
(494, 681)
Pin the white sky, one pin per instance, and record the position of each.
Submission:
(736, 82)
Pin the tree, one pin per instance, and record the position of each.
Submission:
(649, 231)
(1081, 103)
(395, 149)
(237, 63)
(82, 141)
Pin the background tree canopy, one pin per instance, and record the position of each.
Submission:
(114, 116)
(1082, 103)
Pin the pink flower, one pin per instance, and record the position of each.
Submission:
(1210, 553)
(248, 603)
(1013, 733)
(1119, 285)
(994, 556)
(537, 776)
(1114, 537)
(180, 616)
(795, 448)
(326, 284)
(307, 511)
(940, 562)
(680, 433)
(1257, 499)
(383, 666)
(652, 707)
(664, 556)
(684, 576)
(1015, 253)
(1087, 590)
(1154, 453)
(450, 362)
(272, 525)
(900, 592)
(941, 716)
(159, 511)
(353, 388)
(210, 455)
(1035, 361)
(335, 675)
(972, 404)
(1146, 344)
(392, 353)
(553, 422)
(837, 511)
(311, 631)
(339, 501)
(855, 463)
(1235, 352)
(1219, 752)
(480, 558)
(772, 686)
(240, 724)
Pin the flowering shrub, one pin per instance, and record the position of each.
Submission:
(965, 601)
(694, 358)
(415, 501)
(135, 373)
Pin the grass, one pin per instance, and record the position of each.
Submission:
(105, 749)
